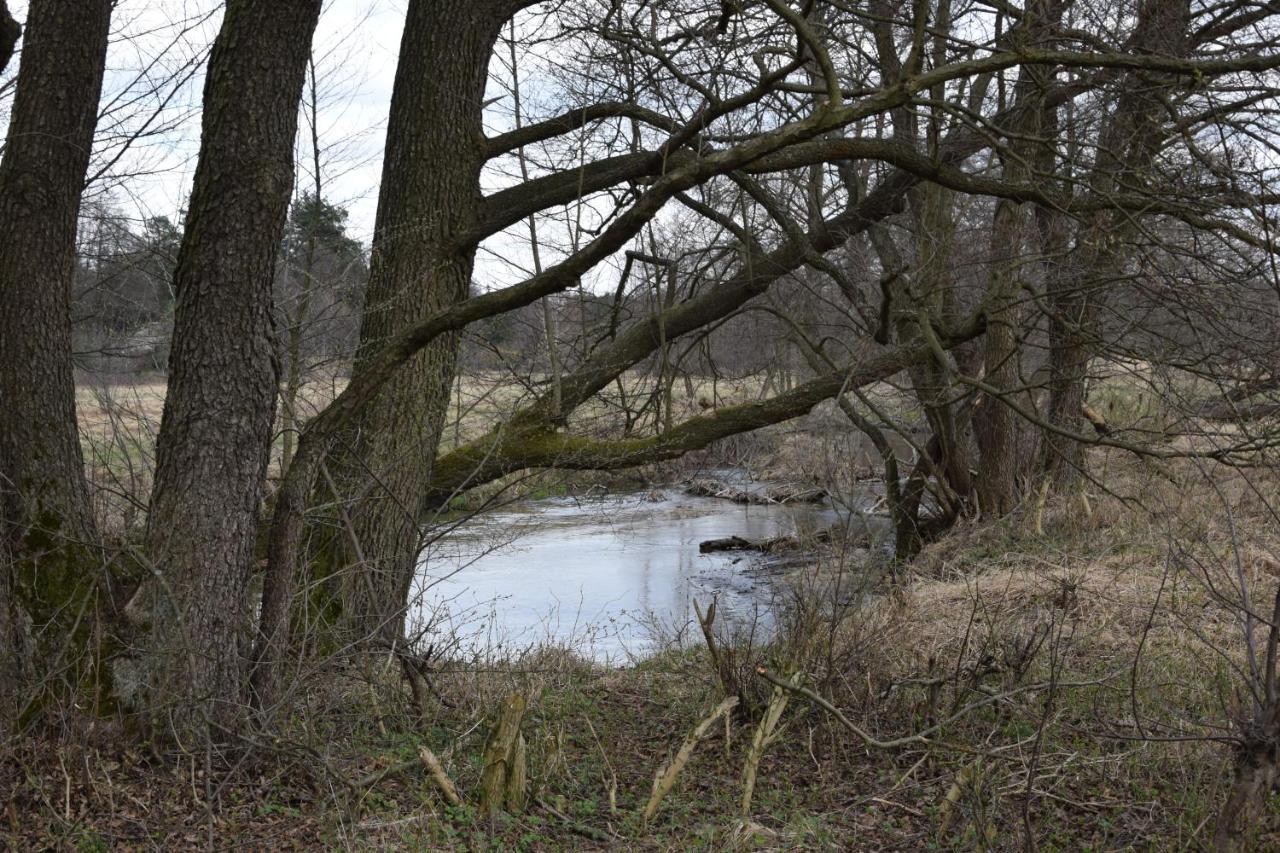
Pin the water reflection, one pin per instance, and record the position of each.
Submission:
(600, 574)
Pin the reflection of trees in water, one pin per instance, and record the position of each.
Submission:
(624, 567)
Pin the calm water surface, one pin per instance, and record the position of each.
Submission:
(604, 575)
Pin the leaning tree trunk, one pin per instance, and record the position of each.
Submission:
(45, 517)
(215, 434)
(430, 190)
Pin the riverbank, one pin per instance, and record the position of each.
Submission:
(1067, 673)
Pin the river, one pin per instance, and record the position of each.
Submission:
(609, 576)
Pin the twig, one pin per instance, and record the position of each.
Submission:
(706, 621)
(923, 736)
(666, 777)
(766, 733)
(905, 808)
(442, 780)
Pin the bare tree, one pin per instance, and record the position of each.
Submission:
(982, 207)
(46, 527)
(215, 435)
(430, 192)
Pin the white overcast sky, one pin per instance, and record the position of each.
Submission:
(153, 40)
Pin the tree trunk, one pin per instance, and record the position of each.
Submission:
(430, 190)
(42, 174)
(1256, 754)
(934, 213)
(45, 516)
(1002, 452)
(996, 426)
(215, 434)
(1069, 353)
(1126, 148)
(925, 294)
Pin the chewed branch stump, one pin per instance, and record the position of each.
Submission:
(504, 781)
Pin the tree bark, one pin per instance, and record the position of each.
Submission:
(41, 176)
(1126, 148)
(45, 515)
(1002, 453)
(1070, 350)
(215, 434)
(430, 191)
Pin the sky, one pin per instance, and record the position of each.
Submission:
(153, 82)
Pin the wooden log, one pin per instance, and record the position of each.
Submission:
(728, 543)
(795, 494)
(773, 545)
(442, 780)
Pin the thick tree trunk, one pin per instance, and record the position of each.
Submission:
(1061, 459)
(45, 516)
(215, 435)
(996, 427)
(934, 290)
(430, 190)
(42, 174)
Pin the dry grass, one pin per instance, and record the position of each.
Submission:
(1108, 650)
(480, 401)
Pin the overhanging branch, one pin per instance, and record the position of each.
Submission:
(514, 449)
